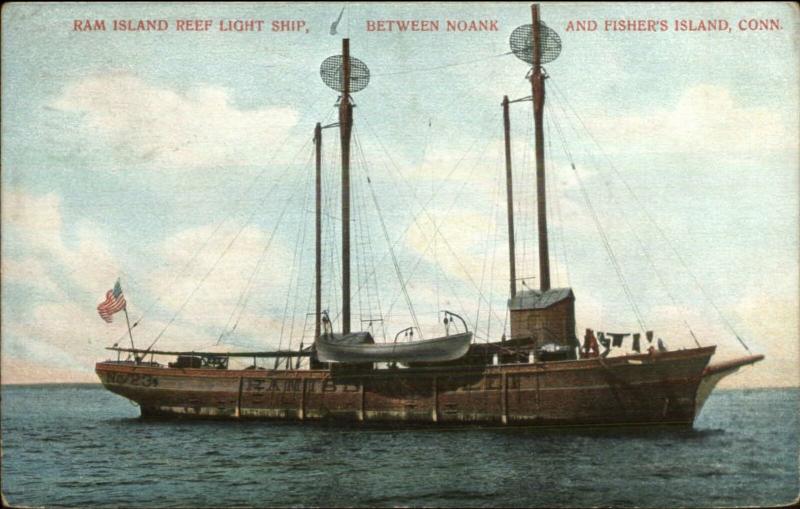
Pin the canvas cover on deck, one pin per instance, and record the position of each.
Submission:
(349, 339)
(359, 347)
(537, 299)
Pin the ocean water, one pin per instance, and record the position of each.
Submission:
(82, 446)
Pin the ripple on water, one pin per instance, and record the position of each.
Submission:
(83, 449)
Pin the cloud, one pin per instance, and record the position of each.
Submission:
(31, 272)
(20, 371)
(59, 337)
(707, 119)
(205, 281)
(59, 325)
(36, 217)
(35, 245)
(152, 126)
(772, 328)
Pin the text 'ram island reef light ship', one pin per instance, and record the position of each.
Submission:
(540, 375)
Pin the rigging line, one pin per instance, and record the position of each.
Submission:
(434, 237)
(371, 255)
(629, 226)
(244, 297)
(369, 277)
(606, 243)
(290, 291)
(355, 232)
(655, 223)
(427, 142)
(299, 265)
(311, 316)
(333, 281)
(208, 273)
(419, 259)
(611, 255)
(359, 218)
(391, 251)
(202, 280)
(560, 218)
(370, 284)
(423, 207)
(497, 241)
(332, 231)
(274, 231)
(554, 190)
(488, 240)
(360, 153)
(240, 201)
(443, 66)
(375, 280)
(180, 273)
(394, 166)
(312, 291)
(525, 228)
(493, 223)
(601, 231)
(603, 235)
(430, 242)
(549, 183)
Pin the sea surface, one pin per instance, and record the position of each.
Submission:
(82, 446)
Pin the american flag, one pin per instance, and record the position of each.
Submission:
(114, 302)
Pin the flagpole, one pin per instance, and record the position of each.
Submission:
(130, 334)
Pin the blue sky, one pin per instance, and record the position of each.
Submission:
(171, 160)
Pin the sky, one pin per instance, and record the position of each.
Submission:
(181, 163)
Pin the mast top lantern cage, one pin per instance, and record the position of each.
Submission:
(332, 73)
(521, 42)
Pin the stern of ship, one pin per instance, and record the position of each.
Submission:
(172, 391)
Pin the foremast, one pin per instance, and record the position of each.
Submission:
(345, 131)
(346, 75)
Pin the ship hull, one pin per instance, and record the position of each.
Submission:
(649, 389)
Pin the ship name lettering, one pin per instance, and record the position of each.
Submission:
(492, 383)
(132, 379)
(351, 388)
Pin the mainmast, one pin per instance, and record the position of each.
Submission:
(551, 320)
(345, 129)
(537, 86)
(535, 44)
